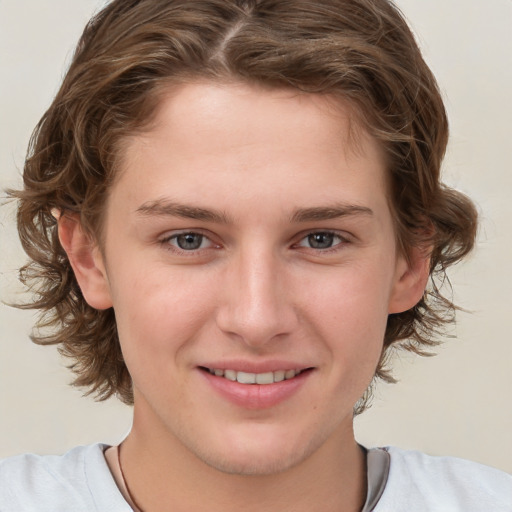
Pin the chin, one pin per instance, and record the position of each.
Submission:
(258, 457)
(249, 465)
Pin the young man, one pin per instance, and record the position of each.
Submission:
(233, 209)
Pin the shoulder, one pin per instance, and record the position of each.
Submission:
(425, 483)
(79, 480)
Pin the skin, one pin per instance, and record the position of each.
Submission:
(255, 173)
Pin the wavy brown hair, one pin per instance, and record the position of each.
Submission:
(131, 52)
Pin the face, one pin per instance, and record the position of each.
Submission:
(251, 261)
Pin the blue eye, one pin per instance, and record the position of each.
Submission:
(189, 241)
(321, 240)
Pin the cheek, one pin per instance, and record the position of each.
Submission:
(159, 308)
(349, 311)
(356, 294)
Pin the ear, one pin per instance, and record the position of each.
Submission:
(410, 280)
(86, 260)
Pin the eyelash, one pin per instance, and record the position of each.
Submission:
(342, 240)
(166, 242)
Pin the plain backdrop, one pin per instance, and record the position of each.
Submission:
(457, 403)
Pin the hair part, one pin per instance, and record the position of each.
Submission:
(359, 51)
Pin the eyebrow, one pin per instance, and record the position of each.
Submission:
(329, 212)
(164, 208)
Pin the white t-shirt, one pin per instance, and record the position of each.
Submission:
(81, 481)
(421, 483)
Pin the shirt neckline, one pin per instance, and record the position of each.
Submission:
(377, 472)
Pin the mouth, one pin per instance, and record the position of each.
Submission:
(255, 378)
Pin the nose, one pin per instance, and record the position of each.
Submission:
(257, 306)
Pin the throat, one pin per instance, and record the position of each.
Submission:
(151, 480)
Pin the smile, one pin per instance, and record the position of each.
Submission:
(255, 378)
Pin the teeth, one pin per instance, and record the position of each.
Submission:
(265, 378)
(289, 374)
(230, 375)
(279, 375)
(255, 378)
(246, 378)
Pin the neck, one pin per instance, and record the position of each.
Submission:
(164, 475)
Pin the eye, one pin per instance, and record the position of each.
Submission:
(321, 240)
(189, 241)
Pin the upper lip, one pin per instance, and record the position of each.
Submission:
(256, 367)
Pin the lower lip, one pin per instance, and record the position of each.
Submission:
(257, 396)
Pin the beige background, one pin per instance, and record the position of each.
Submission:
(458, 403)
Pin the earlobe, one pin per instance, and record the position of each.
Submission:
(410, 280)
(86, 260)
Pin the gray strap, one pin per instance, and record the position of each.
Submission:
(377, 463)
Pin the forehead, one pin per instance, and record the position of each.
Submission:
(227, 106)
(212, 141)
